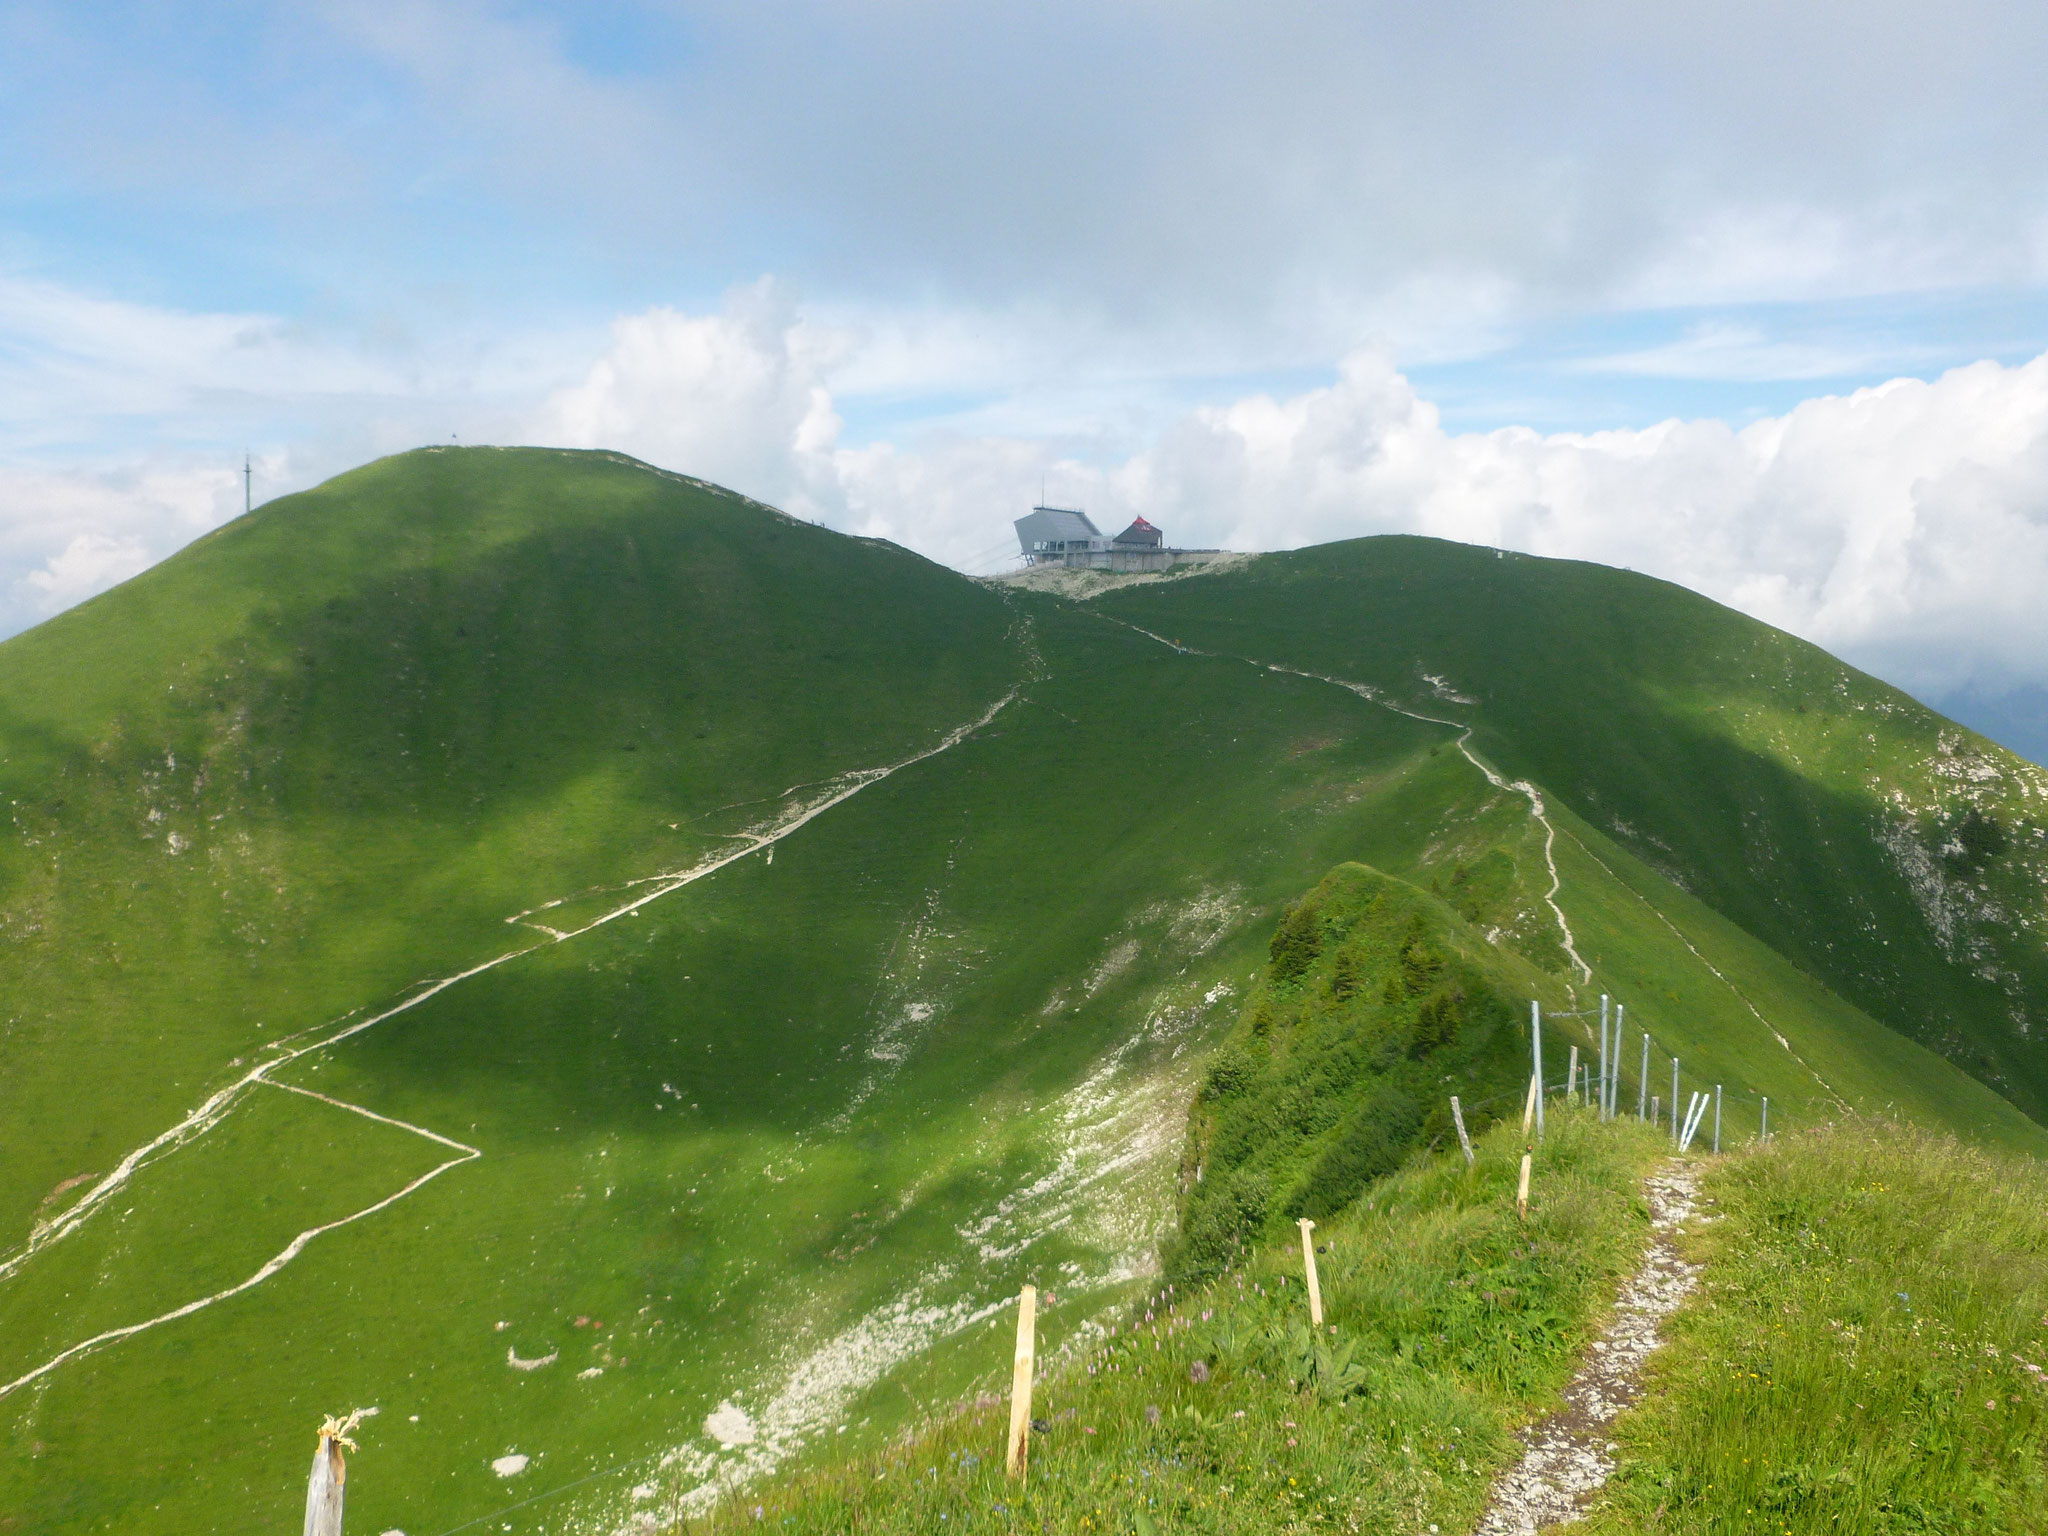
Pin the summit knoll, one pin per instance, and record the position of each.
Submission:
(626, 983)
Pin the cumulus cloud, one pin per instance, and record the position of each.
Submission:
(66, 535)
(737, 397)
(1905, 526)
(90, 563)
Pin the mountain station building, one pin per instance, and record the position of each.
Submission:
(1065, 536)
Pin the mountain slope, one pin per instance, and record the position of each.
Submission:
(1891, 854)
(328, 749)
(639, 980)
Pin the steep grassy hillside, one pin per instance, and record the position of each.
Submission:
(1889, 853)
(327, 750)
(628, 984)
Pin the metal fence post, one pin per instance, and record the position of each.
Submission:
(1604, 1061)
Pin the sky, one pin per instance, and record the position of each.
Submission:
(1750, 297)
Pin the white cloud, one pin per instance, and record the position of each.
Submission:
(90, 563)
(66, 535)
(1721, 351)
(1905, 526)
(737, 397)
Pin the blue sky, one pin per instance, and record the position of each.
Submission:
(1594, 279)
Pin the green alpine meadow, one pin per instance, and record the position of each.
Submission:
(624, 987)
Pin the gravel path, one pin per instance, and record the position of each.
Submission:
(1569, 1454)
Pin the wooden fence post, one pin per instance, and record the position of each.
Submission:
(330, 1470)
(1764, 1131)
(1530, 1106)
(1308, 1265)
(1522, 1191)
(1019, 1454)
(1571, 1076)
(1536, 1043)
(1464, 1140)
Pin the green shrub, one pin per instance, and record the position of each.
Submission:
(1379, 1002)
(1225, 1215)
(1296, 943)
(1372, 1144)
(1229, 1074)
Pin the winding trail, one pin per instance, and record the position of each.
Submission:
(1373, 695)
(1537, 809)
(278, 1261)
(215, 1108)
(1569, 1457)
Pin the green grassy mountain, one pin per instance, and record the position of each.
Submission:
(626, 983)
(1889, 853)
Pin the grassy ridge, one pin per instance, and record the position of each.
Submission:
(327, 750)
(1453, 1324)
(1823, 812)
(1868, 1352)
(1377, 1002)
(740, 1127)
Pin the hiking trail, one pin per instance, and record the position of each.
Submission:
(1569, 1457)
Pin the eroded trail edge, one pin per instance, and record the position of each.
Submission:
(1569, 1456)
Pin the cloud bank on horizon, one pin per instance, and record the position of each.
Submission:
(1751, 299)
(1903, 525)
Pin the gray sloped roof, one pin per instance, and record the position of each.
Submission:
(1054, 525)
